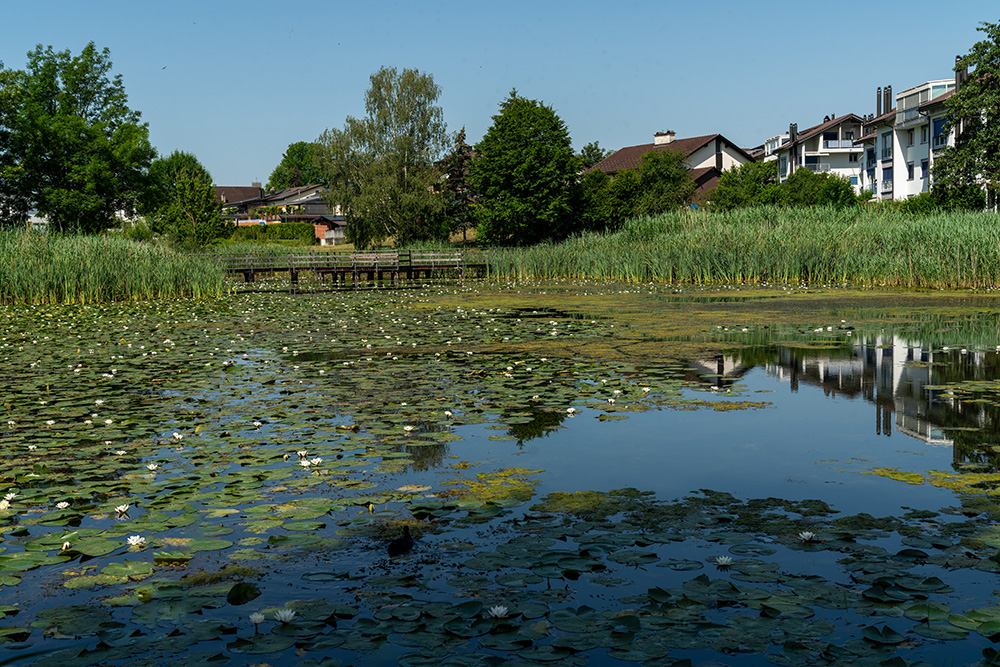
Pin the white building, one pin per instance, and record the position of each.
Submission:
(830, 147)
(917, 110)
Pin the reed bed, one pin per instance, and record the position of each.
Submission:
(37, 268)
(862, 246)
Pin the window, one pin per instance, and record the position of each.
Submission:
(853, 157)
(887, 146)
(923, 134)
(854, 180)
(909, 171)
(923, 169)
(909, 137)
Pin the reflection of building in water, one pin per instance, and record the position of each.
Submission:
(888, 371)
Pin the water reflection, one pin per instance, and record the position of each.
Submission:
(901, 377)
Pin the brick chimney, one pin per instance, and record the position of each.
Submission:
(664, 138)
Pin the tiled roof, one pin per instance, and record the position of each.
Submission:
(229, 194)
(631, 156)
(811, 132)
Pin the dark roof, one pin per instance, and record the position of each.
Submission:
(811, 132)
(229, 194)
(937, 100)
(631, 156)
(888, 117)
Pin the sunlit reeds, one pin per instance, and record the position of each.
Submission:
(861, 246)
(37, 268)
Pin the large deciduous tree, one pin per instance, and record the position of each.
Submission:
(181, 203)
(298, 167)
(70, 147)
(525, 174)
(749, 184)
(974, 113)
(380, 168)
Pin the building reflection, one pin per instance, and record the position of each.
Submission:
(900, 377)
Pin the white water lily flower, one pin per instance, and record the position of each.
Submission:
(4, 505)
(316, 461)
(807, 536)
(303, 454)
(121, 452)
(178, 436)
(305, 463)
(109, 422)
(152, 466)
(284, 615)
(611, 401)
(409, 428)
(50, 422)
(256, 617)
(98, 402)
(723, 561)
(122, 509)
(448, 413)
(65, 546)
(32, 448)
(498, 611)
(571, 410)
(645, 389)
(10, 496)
(257, 424)
(61, 506)
(136, 540)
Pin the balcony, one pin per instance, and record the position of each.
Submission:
(886, 186)
(939, 141)
(838, 143)
(817, 167)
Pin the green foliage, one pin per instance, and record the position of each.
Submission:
(303, 233)
(974, 110)
(750, 184)
(664, 183)
(299, 166)
(70, 147)
(181, 202)
(456, 189)
(36, 268)
(525, 174)
(380, 168)
(591, 154)
(805, 187)
(860, 245)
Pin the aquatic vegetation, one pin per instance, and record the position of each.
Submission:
(410, 409)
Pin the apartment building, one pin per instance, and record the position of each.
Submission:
(829, 147)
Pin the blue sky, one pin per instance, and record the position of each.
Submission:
(236, 82)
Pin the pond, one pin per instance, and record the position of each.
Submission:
(591, 474)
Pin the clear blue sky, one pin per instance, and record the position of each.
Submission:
(236, 82)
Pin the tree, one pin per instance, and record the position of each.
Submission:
(591, 154)
(664, 182)
(181, 201)
(974, 113)
(380, 168)
(525, 175)
(749, 184)
(70, 147)
(457, 190)
(298, 167)
(805, 187)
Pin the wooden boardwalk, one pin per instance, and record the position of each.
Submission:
(361, 267)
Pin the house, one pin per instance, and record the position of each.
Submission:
(829, 147)
(917, 111)
(297, 204)
(227, 194)
(877, 142)
(706, 157)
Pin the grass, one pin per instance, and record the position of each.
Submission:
(38, 268)
(860, 246)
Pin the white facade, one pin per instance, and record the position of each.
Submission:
(916, 135)
(830, 147)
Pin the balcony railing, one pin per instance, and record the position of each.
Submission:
(838, 143)
(817, 166)
(886, 185)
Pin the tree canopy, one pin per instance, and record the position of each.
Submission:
(298, 167)
(591, 154)
(70, 147)
(525, 175)
(380, 168)
(749, 184)
(180, 201)
(974, 113)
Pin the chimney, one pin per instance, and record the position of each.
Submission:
(878, 101)
(664, 138)
(793, 132)
(961, 73)
(887, 102)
